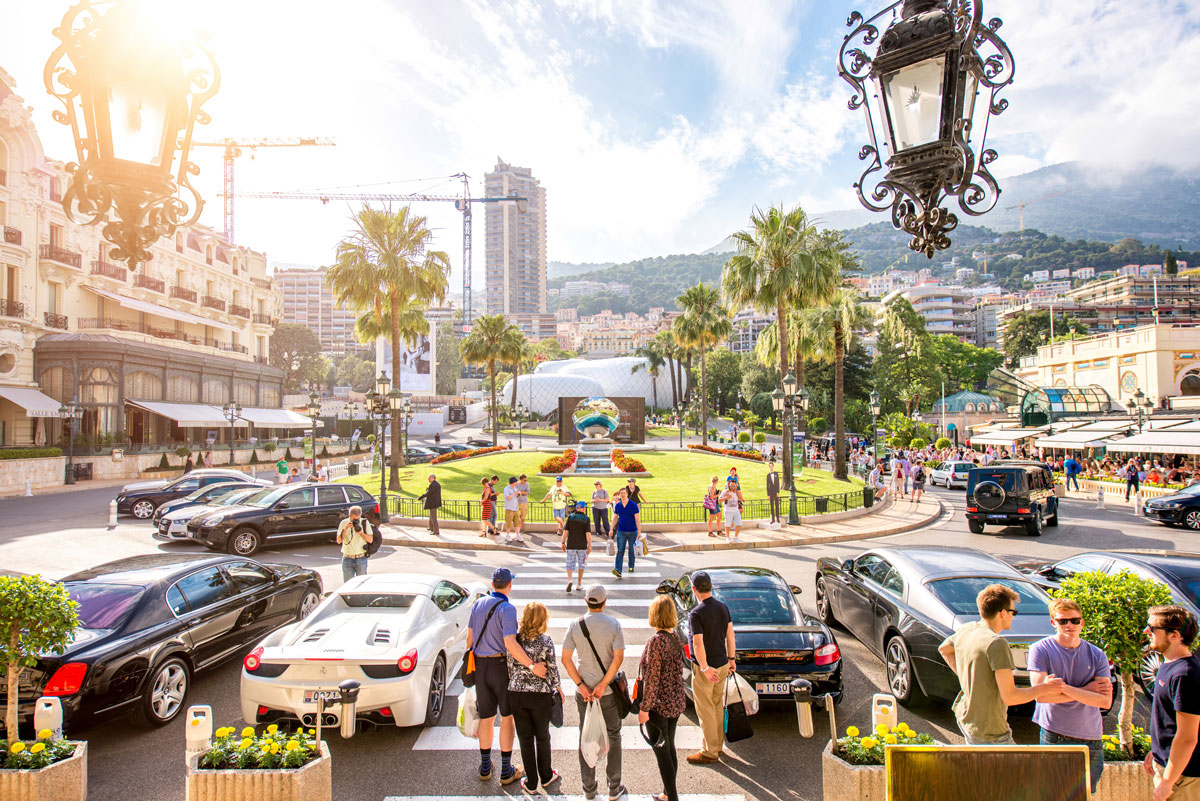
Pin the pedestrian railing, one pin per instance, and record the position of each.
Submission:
(342, 470)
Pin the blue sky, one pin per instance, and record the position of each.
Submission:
(655, 126)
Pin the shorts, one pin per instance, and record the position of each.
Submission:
(576, 560)
(918, 485)
(512, 517)
(560, 514)
(524, 512)
(491, 685)
(733, 518)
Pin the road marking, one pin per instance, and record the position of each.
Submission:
(626, 624)
(595, 573)
(625, 584)
(577, 600)
(558, 797)
(558, 554)
(566, 738)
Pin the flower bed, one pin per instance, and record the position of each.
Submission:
(38, 754)
(868, 749)
(560, 464)
(44, 770)
(452, 456)
(626, 464)
(247, 750)
(242, 766)
(752, 456)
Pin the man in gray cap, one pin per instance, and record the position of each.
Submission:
(711, 634)
(601, 646)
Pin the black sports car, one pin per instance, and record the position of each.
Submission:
(141, 498)
(1180, 509)
(201, 496)
(902, 602)
(776, 640)
(148, 623)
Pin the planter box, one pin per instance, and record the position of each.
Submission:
(313, 782)
(1124, 781)
(62, 781)
(842, 781)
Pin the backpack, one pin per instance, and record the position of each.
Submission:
(919, 474)
(376, 538)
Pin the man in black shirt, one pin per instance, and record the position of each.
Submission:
(1174, 760)
(713, 657)
(577, 542)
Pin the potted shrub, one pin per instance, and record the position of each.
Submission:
(272, 766)
(46, 769)
(852, 766)
(164, 463)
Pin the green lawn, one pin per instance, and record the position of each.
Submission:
(666, 431)
(531, 432)
(675, 477)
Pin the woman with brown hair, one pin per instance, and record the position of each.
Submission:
(532, 699)
(712, 505)
(486, 501)
(661, 672)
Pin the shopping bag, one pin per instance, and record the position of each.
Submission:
(645, 546)
(737, 723)
(611, 548)
(593, 735)
(556, 711)
(468, 713)
(738, 689)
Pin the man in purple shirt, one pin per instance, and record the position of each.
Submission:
(1072, 717)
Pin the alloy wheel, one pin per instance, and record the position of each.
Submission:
(1148, 670)
(822, 599)
(1192, 519)
(170, 687)
(898, 669)
(143, 510)
(308, 603)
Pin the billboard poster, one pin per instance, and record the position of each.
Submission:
(417, 363)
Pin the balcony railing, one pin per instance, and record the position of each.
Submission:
(239, 311)
(60, 255)
(110, 270)
(115, 324)
(56, 320)
(226, 346)
(261, 360)
(183, 293)
(263, 319)
(12, 308)
(261, 282)
(213, 303)
(12, 235)
(149, 282)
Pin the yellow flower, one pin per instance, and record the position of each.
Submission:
(881, 729)
(312, 731)
(37, 748)
(16, 748)
(890, 739)
(246, 743)
(248, 731)
(852, 731)
(1110, 745)
(274, 748)
(869, 742)
(292, 745)
(272, 729)
(45, 734)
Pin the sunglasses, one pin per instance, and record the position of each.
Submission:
(1065, 621)
(1013, 611)
(1158, 628)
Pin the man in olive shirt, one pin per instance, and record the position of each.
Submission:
(983, 661)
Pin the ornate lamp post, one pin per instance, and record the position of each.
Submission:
(1139, 407)
(70, 412)
(679, 409)
(874, 404)
(790, 407)
(232, 412)
(131, 102)
(801, 401)
(314, 411)
(520, 425)
(925, 76)
(379, 409)
(406, 408)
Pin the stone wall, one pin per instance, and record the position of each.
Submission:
(43, 473)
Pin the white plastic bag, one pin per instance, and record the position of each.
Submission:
(468, 713)
(737, 690)
(645, 545)
(611, 548)
(593, 735)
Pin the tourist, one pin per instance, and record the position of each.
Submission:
(323, 473)
(732, 500)
(512, 512)
(897, 477)
(294, 478)
(208, 457)
(627, 524)
(433, 501)
(712, 502)
(1072, 469)
(875, 480)
(663, 699)
(635, 492)
(558, 496)
(188, 465)
(1072, 717)
(918, 479)
(281, 470)
(1174, 760)
(772, 455)
(510, 445)
(713, 650)
(733, 476)
(980, 655)
(601, 645)
(437, 438)
(600, 503)
(1132, 478)
(487, 505)
(493, 481)
(531, 697)
(577, 542)
(353, 534)
(523, 502)
(773, 491)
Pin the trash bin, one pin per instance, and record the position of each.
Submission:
(868, 497)
(822, 505)
(352, 468)
(83, 471)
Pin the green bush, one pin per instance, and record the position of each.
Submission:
(918, 443)
(268, 448)
(29, 453)
(943, 442)
(324, 452)
(743, 436)
(183, 452)
(760, 437)
(36, 617)
(163, 463)
(253, 457)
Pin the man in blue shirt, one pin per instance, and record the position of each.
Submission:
(492, 633)
(1174, 760)
(1072, 469)
(627, 526)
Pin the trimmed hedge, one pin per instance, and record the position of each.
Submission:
(453, 455)
(752, 456)
(30, 453)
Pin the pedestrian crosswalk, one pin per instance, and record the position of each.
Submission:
(557, 797)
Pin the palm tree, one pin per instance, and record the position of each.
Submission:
(801, 346)
(385, 264)
(835, 324)
(492, 339)
(652, 353)
(773, 271)
(704, 322)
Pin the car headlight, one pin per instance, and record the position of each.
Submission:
(1167, 505)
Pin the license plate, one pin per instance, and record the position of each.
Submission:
(773, 688)
(1020, 657)
(997, 517)
(311, 696)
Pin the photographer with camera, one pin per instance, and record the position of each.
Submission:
(353, 535)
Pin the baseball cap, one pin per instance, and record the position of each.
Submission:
(501, 576)
(580, 505)
(596, 594)
(559, 479)
(700, 581)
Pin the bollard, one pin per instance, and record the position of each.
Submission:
(112, 513)
(47, 714)
(1137, 504)
(1100, 497)
(199, 729)
(802, 693)
(28, 488)
(349, 689)
(883, 710)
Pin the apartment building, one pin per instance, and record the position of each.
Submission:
(747, 325)
(515, 243)
(308, 301)
(149, 354)
(946, 309)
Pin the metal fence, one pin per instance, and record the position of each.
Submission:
(653, 513)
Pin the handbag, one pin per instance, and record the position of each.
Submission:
(468, 677)
(737, 720)
(556, 711)
(639, 688)
(620, 684)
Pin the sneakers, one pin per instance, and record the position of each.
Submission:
(619, 794)
(631, 569)
(616, 573)
(569, 586)
(516, 774)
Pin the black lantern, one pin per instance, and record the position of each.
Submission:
(925, 76)
(131, 101)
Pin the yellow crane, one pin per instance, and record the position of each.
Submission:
(1020, 207)
(233, 149)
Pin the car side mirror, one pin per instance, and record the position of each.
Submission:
(665, 587)
(795, 590)
(279, 507)
(848, 565)
(1048, 570)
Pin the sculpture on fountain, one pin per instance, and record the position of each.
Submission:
(596, 419)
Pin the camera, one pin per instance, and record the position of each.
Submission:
(357, 523)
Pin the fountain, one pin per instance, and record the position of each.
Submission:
(596, 419)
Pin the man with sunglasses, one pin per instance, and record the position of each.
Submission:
(1072, 716)
(982, 659)
(1174, 760)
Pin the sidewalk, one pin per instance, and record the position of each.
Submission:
(883, 520)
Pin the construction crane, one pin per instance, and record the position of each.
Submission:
(1021, 206)
(233, 149)
(462, 204)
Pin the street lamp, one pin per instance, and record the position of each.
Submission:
(1140, 408)
(131, 101)
(925, 75)
(520, 425)
(802, 399)
(314, 411)
(406, 407)
(379, 409)
(70, 412)
(788, 407)
(874, 404)
(232, 412)
(679, 408)
(396, 404)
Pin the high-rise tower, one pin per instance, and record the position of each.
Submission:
(515, 242)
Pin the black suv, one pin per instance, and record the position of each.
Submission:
(283, 515)
(1011, 493)
(142, 498)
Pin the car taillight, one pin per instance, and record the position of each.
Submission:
(253, 659)
(67, 679)
(827, 654)
(407, 662)
(972, 508)
(1022, 511)
(386, 711)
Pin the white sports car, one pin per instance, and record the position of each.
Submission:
(401, 635)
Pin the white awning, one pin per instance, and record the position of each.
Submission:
(189, 415)
(1167, 440)
(161, 311)
(1006, 436)
(276, 418)
(1080, 439)
(34, 402)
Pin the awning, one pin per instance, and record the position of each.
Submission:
(1006, 436)
(161, 311)
(276, 418)
(1167, 440)
(189, 415)
(1080, 439)
(34, 402)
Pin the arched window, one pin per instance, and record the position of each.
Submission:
(244, 393)
(1190, 384)
(182, 389)
(270, 397)
(216, 390)
(143, 385)
(58, 383)
(98, 385)
(970, 407)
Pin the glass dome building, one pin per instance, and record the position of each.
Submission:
(618, 377)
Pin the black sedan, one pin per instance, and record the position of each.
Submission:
(148, 623)
(1180, 509)
(479, 443)
(902, 602)
(284, 514)
(140, 499)
(204, 495)
(776, 640)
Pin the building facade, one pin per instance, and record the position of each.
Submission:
(515, 243)
(946, 309)
(309, 302)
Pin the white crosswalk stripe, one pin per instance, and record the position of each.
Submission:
(577, 600)
(597, 572)
(449, 738)
(625, 584)
(626, 623)
(559, 797)
(559, 555)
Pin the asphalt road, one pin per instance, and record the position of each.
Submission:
(58, 534)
